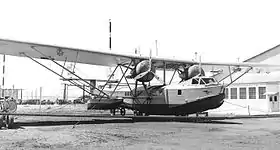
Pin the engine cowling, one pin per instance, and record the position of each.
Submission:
(143, 68)
(189, 72)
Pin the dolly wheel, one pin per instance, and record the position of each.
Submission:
(113, 112)
(2, 122)
(10, 122)
(122, 111)
(135, 112)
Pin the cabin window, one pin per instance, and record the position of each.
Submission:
(194, 81)
(201, 81)
(226, 93)
(252, 92)
(179, 92)
(208, 80)
(262, 90)
(233, 93)
(275, 98)
(242, 93)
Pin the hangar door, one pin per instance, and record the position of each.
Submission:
(274, 102)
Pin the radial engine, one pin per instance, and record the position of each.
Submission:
(144, 71)
(188, 72)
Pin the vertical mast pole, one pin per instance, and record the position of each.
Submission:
(110, 38)
(3, 79)
(156, 49)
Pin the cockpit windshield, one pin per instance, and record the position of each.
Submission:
(203, 80)
(208, 80)
(195, 80)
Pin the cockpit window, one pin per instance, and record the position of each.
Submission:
(203, 81)
(195, 81)
(208, 80)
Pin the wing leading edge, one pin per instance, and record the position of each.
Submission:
(42, 51)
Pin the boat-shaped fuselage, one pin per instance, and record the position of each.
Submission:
(194, 95)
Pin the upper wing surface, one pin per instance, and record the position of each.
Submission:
(41, 51)
(16, 48)
(268, 54)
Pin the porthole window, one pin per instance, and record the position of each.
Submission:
(179, 92)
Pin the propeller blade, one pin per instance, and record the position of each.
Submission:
(150, 60)
(140, 75)
(157, 77)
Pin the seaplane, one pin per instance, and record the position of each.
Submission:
(195, 92)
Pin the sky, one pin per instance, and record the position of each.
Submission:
(218, 30)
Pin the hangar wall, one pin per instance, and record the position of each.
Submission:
(253, 98)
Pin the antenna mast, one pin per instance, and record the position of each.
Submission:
(3, 79)
(156, 49)
(110, 39)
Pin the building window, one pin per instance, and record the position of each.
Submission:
(252, 92)
(262, 90)
(127, 93)
(179, 92)
(242, 93)
(233, 93)
(226, 93)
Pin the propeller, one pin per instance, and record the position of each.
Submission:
(158, 78)
(199, 66)
(140, 75)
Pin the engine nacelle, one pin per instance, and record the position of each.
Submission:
(192, 71)
(143, 67)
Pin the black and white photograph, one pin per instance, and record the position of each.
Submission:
(140, 75)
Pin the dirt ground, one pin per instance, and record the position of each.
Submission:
(90, 133)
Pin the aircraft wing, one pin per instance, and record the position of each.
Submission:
(268, 54)
(42, 51)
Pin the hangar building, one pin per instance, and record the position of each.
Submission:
(255, 93)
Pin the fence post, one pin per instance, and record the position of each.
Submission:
(249, 110)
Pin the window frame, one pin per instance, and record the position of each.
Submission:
(261, 96)
(179, 92)
(241, 96)
(231, 93)
(227, 93)
(255, 93)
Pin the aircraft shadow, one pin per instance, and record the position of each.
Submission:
(186, 120)
(18, 125)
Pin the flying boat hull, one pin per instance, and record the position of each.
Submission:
(199, 105)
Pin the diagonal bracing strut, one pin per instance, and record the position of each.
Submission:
(74, 83)
(34, 48)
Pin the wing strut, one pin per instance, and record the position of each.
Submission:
(230, 74)
(172, 76)
(74, 83)
(246, 71)
(133, 94)
(111, 75)
(126, 80)
(76, 61)
(63, 66)
(34, 48)
(120, 79)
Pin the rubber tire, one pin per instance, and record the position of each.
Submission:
(122, 111)
(10, 123)
(113, 112)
